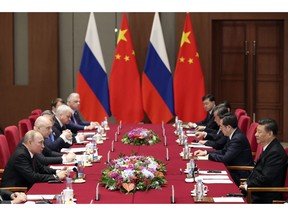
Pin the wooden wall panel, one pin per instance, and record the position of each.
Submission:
(18, 101)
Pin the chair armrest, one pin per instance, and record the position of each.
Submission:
(249, 168)
(15, 189)
(250, 190)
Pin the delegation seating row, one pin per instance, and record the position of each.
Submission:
(10, 139)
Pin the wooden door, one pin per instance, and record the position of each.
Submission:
(248, 67)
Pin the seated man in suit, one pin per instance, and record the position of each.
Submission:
(61, 120)
(8, 197)
(215, 140)
(44, 126)
(56, 143)
(270, 169)
(22, 170)
(56, 103)
(236, 152)
(208, 104)
(76, 124)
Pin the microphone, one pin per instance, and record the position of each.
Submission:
(75, 170)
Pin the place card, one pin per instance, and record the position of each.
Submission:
(97, 197)
(172, 195)
(112, 146)
(165, 141)
(167, 154)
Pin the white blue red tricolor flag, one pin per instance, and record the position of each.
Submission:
(92, 82)
(157, 85)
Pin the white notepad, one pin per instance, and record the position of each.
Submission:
(228, 199)
(40, 196)
(217, 181)
(75, 150)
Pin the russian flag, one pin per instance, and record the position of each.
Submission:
(157, 84)
(92, 82)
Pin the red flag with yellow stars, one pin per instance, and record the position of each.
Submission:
(124, 84)
(189, 87)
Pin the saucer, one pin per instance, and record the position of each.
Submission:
(79, 181)
(194, 194)
(88, 164)
(189, 180)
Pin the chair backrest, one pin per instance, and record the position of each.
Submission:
(24, 125)
(259, 150)
(243, 123)
(239, 112)
(36, 112)
(251, 136)
(32, 119)
(4, 151)
(12, 136)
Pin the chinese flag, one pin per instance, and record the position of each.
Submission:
(189, 87)
(124, 84)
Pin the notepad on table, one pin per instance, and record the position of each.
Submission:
(228, 199)
(222, 177)
(75, 150)
(40, 196)
(202, 157)
(196, 145)
(217, 181)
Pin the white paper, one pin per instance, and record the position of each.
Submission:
(62, 167)
(205, 172)
(75, 150)
(87, 133)
(182, 154)
(71, 162)
(228, 199)
(202, 157)
(199, 146)
(217, 181)
(190, 135)
(214, 177)
(40, 196)
(82, 142)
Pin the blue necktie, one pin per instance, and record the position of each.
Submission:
(51, 137)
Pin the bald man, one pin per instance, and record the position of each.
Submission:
(22, 170)
(44, 125)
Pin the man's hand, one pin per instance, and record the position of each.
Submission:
(18, 197)
(200, 153)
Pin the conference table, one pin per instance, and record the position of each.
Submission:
(85, 193)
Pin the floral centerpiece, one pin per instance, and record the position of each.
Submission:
(140, 136)
(134, 173)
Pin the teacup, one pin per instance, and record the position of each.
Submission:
(205, 189)
(89, 148)
(85, 158)
(67, 194)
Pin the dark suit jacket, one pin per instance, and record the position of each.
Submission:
(57, 145)
(269, 171)
(47, 156)
(209, 122)
(5, 196)
(76, 123)
(236, 152)
(22, 171)
(216, 141)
